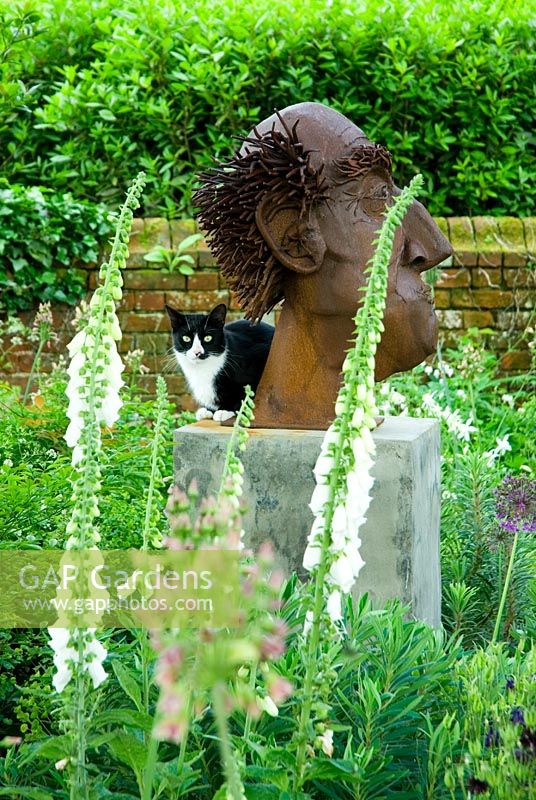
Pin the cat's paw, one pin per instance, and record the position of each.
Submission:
(222, 416)
(203, 413)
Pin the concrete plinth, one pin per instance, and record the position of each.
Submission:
(401, 536)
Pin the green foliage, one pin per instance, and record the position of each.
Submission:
(44, 236)
(498, 694)
(96, 91)
(177, 259)
(477, 410)
(411, 713)
(414, 714)
(34, 489)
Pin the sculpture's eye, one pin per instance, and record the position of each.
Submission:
(374, 204)
(186, 338)
(207, 338)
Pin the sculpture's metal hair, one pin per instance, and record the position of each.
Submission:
(364, 158)
(274, 163)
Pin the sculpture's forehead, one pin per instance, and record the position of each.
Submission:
(326, 133)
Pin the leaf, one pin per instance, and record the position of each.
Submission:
(22, 791)
(274, 775)
(130, 750)
(124, 716)
(330, 769)
(18, 264)
(185, 269)
(157, 256)
(189, 242)
(261, 791)
(128, 683)
(106, 114)
(53, 748)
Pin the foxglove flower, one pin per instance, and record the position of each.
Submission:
(268, 705)
(326, 742)
(93, 392)
(66, 655)
(342, 472)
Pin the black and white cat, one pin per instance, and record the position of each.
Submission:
(219, 360)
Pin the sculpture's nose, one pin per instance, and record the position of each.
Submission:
(424, 244)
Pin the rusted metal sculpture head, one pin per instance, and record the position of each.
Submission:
(293, 216)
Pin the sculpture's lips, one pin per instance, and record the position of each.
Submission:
(426, 292)
(419, 289)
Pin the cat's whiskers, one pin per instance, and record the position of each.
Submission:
(170, 362)
(230, 361)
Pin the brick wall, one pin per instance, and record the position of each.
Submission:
(488, 283)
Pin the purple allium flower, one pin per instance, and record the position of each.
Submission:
(517, 716)
(492, 737)
(510, 683)
(476, 786)
(516, 504)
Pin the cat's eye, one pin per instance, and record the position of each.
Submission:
(207, 338)
(186, 338)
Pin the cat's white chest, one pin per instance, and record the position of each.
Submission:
(201, 377)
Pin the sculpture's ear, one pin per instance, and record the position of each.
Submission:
(296, 243)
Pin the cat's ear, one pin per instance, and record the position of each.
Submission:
(177, 318)
(296, 243)
(217, 315)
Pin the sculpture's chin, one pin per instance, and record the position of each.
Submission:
(410, 336)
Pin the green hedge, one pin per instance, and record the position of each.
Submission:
(43, 236)
(101, 89)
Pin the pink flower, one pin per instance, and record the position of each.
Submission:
(279, 689)
(276, 579)
(253, 709)
(169, 730)
(9, 741)
(172, 656)
(168, 666)
(266, 552)
(171, 702)
(272, 647)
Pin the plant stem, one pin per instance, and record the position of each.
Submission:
(34, 367)
(372, 307)
(252, 681)
(241, 423)
(148, 774)
(505, 589)
(79, 788)
(184, 740)
(152, 480)
(318, 600)
(235, 789)
(145, 685)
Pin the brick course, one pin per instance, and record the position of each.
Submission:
(489, 282)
